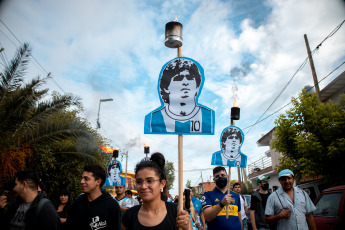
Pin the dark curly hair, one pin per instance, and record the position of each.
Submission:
(229, 132)
(173, 69)
(113, 164)
(157, 163)
(98, 172)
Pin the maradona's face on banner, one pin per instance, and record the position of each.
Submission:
(114, 173)
(182, 91)
(232, 143)
(179, 86)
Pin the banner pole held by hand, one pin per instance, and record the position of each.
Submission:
(180, 159)
(227, 206)
(180, 173)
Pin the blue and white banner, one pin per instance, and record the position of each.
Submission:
(230, 155)
(114, 170)
(179, 87)
(145, 159)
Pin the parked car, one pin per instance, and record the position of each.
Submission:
(329, 213)
(248, 199)
(312, 188)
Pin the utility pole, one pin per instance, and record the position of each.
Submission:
(239, 175)
(316, 83)
(244, 176)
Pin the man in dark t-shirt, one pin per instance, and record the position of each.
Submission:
(95, 209)
(254, 201)
(32, 209)
(258, 204)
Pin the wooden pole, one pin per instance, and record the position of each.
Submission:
(227, 207)
(180, 171)
(179, 52)
(180, 160)
(316, 83)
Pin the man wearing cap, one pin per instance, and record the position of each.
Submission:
(258, 204)
(290, 207)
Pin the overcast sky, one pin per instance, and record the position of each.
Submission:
(115, 49)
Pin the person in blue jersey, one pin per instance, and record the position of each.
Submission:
(215, 202)
(114, 171)
(129, 194)
(122, 199)
(230, 155)
(198, 207)
(179, 86)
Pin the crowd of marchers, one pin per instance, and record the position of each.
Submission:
(287, 208)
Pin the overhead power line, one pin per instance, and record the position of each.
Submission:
(331, 34)
(299, 69)
(41, 67)
(39, 64)
(331, 72)
(291, 102)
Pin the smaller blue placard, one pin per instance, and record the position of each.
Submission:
(114, 170)
(145, 159)
(230, 155)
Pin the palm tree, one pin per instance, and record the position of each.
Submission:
(32, 126)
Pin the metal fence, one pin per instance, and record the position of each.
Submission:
(259, 165)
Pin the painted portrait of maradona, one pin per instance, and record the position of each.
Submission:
(114, 170)
(230, 155)
(180, 84)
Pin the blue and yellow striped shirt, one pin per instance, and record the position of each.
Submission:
(211, 199)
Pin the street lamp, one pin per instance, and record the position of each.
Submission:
(99, 108)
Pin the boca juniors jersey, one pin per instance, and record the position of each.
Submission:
(212, 199)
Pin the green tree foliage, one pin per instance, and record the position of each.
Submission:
(170, 170)
(311, 138)
(189, 184)
(42, 132)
